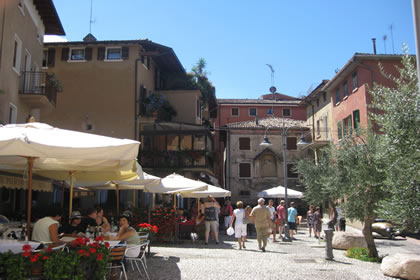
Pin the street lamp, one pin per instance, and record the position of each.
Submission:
(266, 143)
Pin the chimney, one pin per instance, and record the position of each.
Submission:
(374, 45)
(89, 38)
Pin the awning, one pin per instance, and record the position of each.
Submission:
(12, 182)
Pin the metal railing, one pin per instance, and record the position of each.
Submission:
(38, 83)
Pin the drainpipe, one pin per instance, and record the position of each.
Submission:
(135, 99)
(2, 30)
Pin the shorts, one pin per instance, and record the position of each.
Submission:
(280, 222)
(292, 225)
(310, 225)
(240, 230)
(212, 225)
(273, 223)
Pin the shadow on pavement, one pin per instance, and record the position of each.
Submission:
(162, 267)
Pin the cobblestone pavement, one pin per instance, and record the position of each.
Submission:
(301, 259)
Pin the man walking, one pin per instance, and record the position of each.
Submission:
(281, 214)
(291, 217)
(273, 218)
(261, 216)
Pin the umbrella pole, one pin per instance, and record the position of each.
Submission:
(71, 194)
(174, 201)
(118, 199)
(62, 193)
(134, 198)
(29, 207)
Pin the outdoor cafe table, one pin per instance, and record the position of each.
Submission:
(16, 246)
(112, 243)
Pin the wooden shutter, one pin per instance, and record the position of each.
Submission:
(51, 58)
(245, 170)
(244, 143)
(124, 53)
(101, 53)
(291, 143)
(65, 54)
(88, 53)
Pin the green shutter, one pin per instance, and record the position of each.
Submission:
(339, 129)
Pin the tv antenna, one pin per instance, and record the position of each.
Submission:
(392, 38)
(91, 20)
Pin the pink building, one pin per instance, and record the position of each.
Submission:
(349, 90)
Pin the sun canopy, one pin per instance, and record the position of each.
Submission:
(58, 151)
(212, 190)
(279, 192)
(175, 183)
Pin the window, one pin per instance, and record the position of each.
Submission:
(339, 130)
(291, 143)
(318, 128)
(245, 170)
(77, 54)
(244, 193)
(186, 142)
(345, 127)
(286, 113)
(45, 58)
(337, 96)
(244, 144)
(349, 125)
(291, 172)
(270, 111)
(356, 118)
(173, 143)
(235, 112)
(252, 111)
(317, 102)
(17, 54)
(198, 103)
(355, 82)
(146, 62)
(324, 96)
(113, 53)
(345, 90)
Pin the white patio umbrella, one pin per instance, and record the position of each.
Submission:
(212, 190)
(175, 183)
(278, 192)
(60, 154)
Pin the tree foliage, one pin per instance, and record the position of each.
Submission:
(399, 124)
(199, 80)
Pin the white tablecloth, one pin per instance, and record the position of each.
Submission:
(15, 246)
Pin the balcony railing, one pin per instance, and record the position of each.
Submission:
(176, 159)
(39, 84)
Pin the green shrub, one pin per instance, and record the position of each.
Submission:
(361, 254)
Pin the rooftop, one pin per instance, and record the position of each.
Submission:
(49, 16)
(258, 101)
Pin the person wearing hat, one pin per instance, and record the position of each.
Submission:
(262, 219)
(74, 227)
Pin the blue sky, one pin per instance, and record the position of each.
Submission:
(305, 41)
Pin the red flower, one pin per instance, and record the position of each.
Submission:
(45, 258)
(99, 238)
(106, 245)
(92, 250)
(49, 249)
(35, 257)
(26, 254)
(99, 257)
(26, 247)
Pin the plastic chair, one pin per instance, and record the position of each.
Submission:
(141, 258)
(116, 255)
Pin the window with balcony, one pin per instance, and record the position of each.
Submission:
(113, 53)
(286, 113)
(291, 143)
(235, 111)
(345, 90)
(252, 111)
(245, 170)
(244, 143)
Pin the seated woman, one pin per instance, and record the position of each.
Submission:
(74, 227)
(127, 234)
(101, 220)
(46, 229)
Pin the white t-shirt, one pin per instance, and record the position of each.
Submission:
(272, 210)
(240, 215)
(41, 231)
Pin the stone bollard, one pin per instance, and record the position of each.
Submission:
(328, 247)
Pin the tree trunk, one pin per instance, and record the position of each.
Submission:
(367, 233)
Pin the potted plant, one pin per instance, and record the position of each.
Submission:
(157, 106)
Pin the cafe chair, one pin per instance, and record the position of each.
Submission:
(116, 256)
(140, 259)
